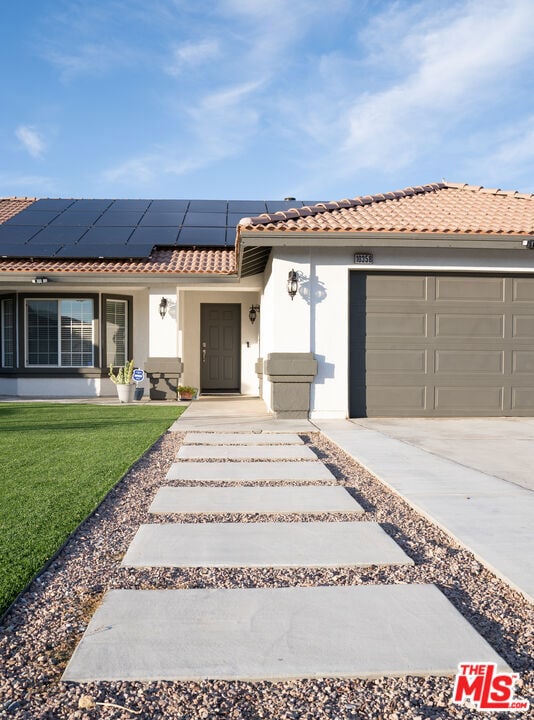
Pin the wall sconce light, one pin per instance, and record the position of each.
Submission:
(163, 305)
(252, 313)
(40, 280)
(292, 284)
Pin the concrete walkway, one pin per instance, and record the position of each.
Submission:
(251, 633)
(472, 477)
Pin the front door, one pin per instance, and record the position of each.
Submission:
(220, 347)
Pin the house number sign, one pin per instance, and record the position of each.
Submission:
(363, 258)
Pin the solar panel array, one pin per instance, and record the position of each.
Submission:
(67, 228)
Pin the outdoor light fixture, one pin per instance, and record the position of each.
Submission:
(292, 284)
(40, 280)
(252, 313)
(164, 304)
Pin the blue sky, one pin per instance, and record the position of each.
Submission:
(317, 99)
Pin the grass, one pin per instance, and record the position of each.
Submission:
(57, 462)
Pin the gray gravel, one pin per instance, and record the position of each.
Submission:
(45, 624)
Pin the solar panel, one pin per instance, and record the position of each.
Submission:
(204, 236)
(197, 219)
(57, 204)
(62, 235)
(112, 236)
(11, 235)
(248, 207)
(25, 251)
(93, 205)
(69, 217)
(169, 205)
(162, 219)
(125, 218)
(39, 219)
(104, 251)
(234, 218)
(129, 205)
(230, 237)
(277, 205)
(208, 206)
(154, 235)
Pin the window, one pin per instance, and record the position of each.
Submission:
(60, 333)
(117, 326)
(7, 333)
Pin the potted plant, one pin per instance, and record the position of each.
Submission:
(186, 392)
(123, 380)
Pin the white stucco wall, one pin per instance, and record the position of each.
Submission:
(317, 320)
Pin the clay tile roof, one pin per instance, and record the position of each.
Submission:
(11, 206)
(435, 208)
(162, 261)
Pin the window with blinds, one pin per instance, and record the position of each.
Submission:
(116, 315)
(7, 332)
(60, 333)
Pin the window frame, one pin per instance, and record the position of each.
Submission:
(129, 338)
(13, 298)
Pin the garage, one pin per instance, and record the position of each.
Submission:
(441, 344)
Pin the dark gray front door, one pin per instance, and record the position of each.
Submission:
(220, 347)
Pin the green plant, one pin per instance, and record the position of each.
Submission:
(187, 389)
(123, 375)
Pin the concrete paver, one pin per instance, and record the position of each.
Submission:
(490, 516)
(257, 438)
(268, 544)
(235, 414)
(290, 499)
(246, 452)
(276, 634)
(250, 472)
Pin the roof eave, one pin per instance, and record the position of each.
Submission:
(340, 238)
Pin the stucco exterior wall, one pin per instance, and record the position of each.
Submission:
(317, 319)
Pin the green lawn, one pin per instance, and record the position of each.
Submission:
(57, 462)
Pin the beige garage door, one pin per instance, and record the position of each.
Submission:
(441, 345)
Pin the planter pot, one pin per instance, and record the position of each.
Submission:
(126, 393)
(186, 396)
(139, 392)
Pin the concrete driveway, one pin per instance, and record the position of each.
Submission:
(474, 477)
(501, 447)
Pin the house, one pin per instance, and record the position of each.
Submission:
(418, 302)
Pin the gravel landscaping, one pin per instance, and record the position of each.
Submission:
(41, 630)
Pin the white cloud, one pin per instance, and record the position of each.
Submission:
(192, 54)
(449, 66)
(31, 139)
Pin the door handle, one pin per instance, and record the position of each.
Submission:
(203, 352)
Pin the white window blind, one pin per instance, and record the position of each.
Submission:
(116, 312)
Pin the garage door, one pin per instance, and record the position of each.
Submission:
(441, 345)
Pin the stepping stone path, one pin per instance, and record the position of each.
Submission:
(268, 633)
(288, 499)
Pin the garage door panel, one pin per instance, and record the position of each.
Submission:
(467, 350)
(461, 362)
(523, 327)
(523, 361)
(396, 324)
(485, 399)
(523, 400)
(403, 398)
(522, 290)
(382, 288)
(477, 289)
(396, 360)
(470, 326)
